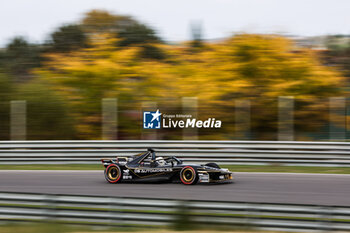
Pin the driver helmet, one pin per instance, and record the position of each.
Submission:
(161, 161)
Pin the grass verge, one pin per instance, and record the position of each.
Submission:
(63, 228)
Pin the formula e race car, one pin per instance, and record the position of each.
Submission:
(149, 166)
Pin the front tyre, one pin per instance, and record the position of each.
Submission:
(113, 173)
(188, 175)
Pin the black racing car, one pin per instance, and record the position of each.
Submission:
(149, 166)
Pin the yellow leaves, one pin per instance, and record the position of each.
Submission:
(244, 65)
(257, 67)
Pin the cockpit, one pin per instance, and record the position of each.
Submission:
(149, 159)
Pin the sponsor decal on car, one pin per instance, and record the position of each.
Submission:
(150, 170)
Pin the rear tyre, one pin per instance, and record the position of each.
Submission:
(214, 165)
(188, 175)
(113, 173)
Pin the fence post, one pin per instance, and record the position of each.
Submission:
(190, 106)
(18, 122)
(325, 215)
(337, 118)
(285, 118)
(50, 207)
(115, 209)
(109, 118)
(183, 219)
(242, 119)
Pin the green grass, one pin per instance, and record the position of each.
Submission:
(57, 227)
(62, 228)
(234, 168)
(40, 228)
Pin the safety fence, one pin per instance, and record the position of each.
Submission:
(223, 152)
(148, 212)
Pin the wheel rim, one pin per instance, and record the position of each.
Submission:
(188, 175)
(113, 173)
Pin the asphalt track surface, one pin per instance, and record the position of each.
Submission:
(323, 189)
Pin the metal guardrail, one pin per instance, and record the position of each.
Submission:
(148, 212)
(224, 152)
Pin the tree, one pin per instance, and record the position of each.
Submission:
(140, 35)
(261, 68)
(128, 30)
(6, 93)
(255, 67)
(67, 38)
(137, 34)
(338, 53)
(47, 115)
(110, 71)
(100, 21)
(196, 31)
(19, 57)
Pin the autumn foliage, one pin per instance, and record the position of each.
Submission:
(259, 68)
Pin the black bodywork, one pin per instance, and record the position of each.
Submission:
(149, 166)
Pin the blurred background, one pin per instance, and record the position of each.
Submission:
(88, 71)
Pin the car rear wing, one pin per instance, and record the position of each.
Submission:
(107, 162)
(119, 160)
